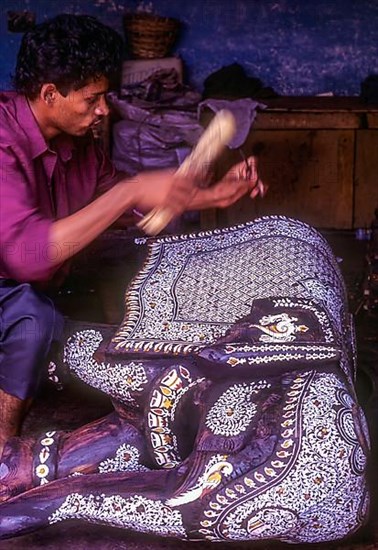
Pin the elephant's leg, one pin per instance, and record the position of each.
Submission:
(110, 444)
(106, 494)
(105, 445)
(131, 500)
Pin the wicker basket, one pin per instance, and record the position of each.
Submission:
(150, 36)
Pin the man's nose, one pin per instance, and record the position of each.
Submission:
(102, 109)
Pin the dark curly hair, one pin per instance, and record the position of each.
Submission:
(68, 50)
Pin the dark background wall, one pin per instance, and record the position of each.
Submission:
(299, 47)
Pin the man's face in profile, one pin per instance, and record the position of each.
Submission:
(81, 109)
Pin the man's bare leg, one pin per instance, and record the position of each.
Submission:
(16, 453)
(12, 411)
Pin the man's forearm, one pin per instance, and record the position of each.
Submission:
(82, 227)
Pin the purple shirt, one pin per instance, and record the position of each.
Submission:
(40, 183)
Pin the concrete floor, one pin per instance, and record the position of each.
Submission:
(99, 298)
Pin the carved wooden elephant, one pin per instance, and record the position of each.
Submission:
(235, 416)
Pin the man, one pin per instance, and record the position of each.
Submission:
(59, 191)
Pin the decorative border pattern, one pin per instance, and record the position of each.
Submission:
(44, 467)
(236, 355)
(164, 399)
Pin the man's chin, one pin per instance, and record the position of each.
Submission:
(80, 131)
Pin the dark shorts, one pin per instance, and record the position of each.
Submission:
(29, 324)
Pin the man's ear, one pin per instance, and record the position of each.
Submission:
(48, 93)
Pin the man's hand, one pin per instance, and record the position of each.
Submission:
(241, 179)
(247, 171)
(161, 189)
(163, 195)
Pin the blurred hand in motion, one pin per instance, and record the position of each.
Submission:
(240, 180)
(170, 193)
(161, 189)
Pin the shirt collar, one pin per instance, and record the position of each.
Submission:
(63, 144)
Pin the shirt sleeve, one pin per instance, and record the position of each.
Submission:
(108, 175)
(25, 250)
